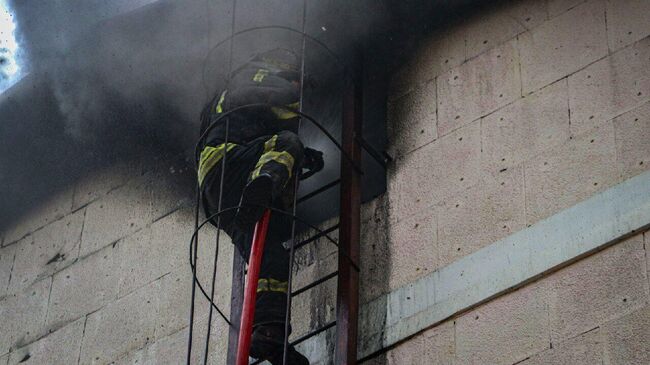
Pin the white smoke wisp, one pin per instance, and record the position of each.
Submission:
(10, 70)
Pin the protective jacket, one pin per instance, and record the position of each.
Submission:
(255, 83)
(261, 141)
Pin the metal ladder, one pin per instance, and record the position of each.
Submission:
(347, 273)
(347, 303)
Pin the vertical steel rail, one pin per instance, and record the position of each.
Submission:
(292, 250)
(224, 163)
(194, 257)
(347, 302)
(236, 303)
(216, 249)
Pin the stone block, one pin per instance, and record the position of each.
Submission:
(610, 87)
(502, 23)
(375, 209)
(505, 330)
(478, 87)
(317, 254)
(396, 253)
(49, 211)
(7, 255)
(305, 275)
(83, 288)
(560, 178)
(118, 214)
(558, 7)
(175, 297)
(633, 141)
(598, 289)
(433, 346)
(23, 316)
(315, 308)
(172, 187)
(224, 266)
(174, 302)
(102, 181)
(122, 326)
(172, 349)
(154, 251)
(628, 21)
(439, 53)
(627, 339)
(413, 249)
(526, 128)
(319, 249)
(440, 169)
(563, 45)
(481, 215)
(375, 259)
(57, 348)
(412, 120)
(47, 251)
(586, 349)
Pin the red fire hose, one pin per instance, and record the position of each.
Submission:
(250, 290)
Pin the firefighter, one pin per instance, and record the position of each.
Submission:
(263, 156)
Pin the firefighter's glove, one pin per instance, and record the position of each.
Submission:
(313, 162)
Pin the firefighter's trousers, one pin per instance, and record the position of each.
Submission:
(279, 156)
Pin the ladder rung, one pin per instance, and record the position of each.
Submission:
(305, 337)
(319, 190)
(317, 282)
(317, 236)
(314, 333)
(381, 160)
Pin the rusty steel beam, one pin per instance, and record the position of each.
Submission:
(347, 307)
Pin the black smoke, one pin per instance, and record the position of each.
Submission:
(113, 81)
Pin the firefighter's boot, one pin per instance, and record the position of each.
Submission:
(257, 196)
(267, 343)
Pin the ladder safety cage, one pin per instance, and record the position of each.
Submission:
(348, 226)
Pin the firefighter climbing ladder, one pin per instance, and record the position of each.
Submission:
(348, 226)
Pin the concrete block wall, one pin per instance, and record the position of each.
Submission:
(507, 118)
(500, 121)
(497, 122)
(100, 275)
(593, 312)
